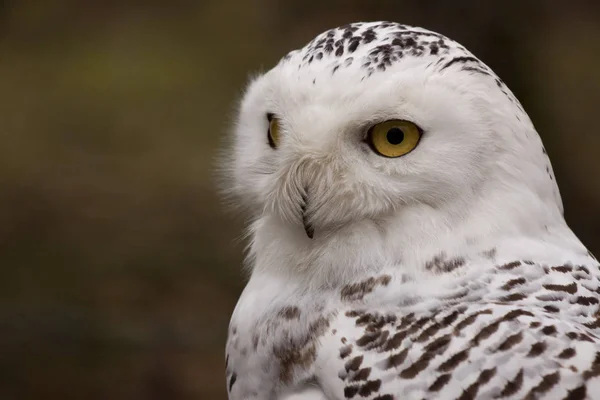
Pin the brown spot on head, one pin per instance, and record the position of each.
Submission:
(567, 353)
(549, 330)
(537, 349)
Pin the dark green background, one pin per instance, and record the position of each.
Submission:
(118, 265)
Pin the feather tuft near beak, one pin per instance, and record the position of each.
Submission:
(310, 232)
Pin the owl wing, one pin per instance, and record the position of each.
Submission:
(525, 332)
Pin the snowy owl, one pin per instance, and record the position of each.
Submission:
(407, 238)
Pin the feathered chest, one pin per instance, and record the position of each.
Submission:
(509, 330)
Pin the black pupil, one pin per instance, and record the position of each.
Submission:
(395, 136)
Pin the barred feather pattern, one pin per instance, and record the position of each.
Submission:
(519, 329)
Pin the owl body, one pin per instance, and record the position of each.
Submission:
(480, 326)
(407, 236)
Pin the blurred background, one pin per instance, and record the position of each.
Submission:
(119, 267)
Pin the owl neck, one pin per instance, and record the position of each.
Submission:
(493, 224)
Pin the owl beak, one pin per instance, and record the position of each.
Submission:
(310, 232)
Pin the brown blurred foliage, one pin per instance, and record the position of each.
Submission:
(119, 268)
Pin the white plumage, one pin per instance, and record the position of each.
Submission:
(447, 271)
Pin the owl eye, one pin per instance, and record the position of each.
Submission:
(273, 132)
(393, 138)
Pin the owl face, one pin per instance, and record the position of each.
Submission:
(367, 120)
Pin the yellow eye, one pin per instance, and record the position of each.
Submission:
(394, 138)
(273, 132)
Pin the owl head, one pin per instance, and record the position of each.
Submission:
(377, 143)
